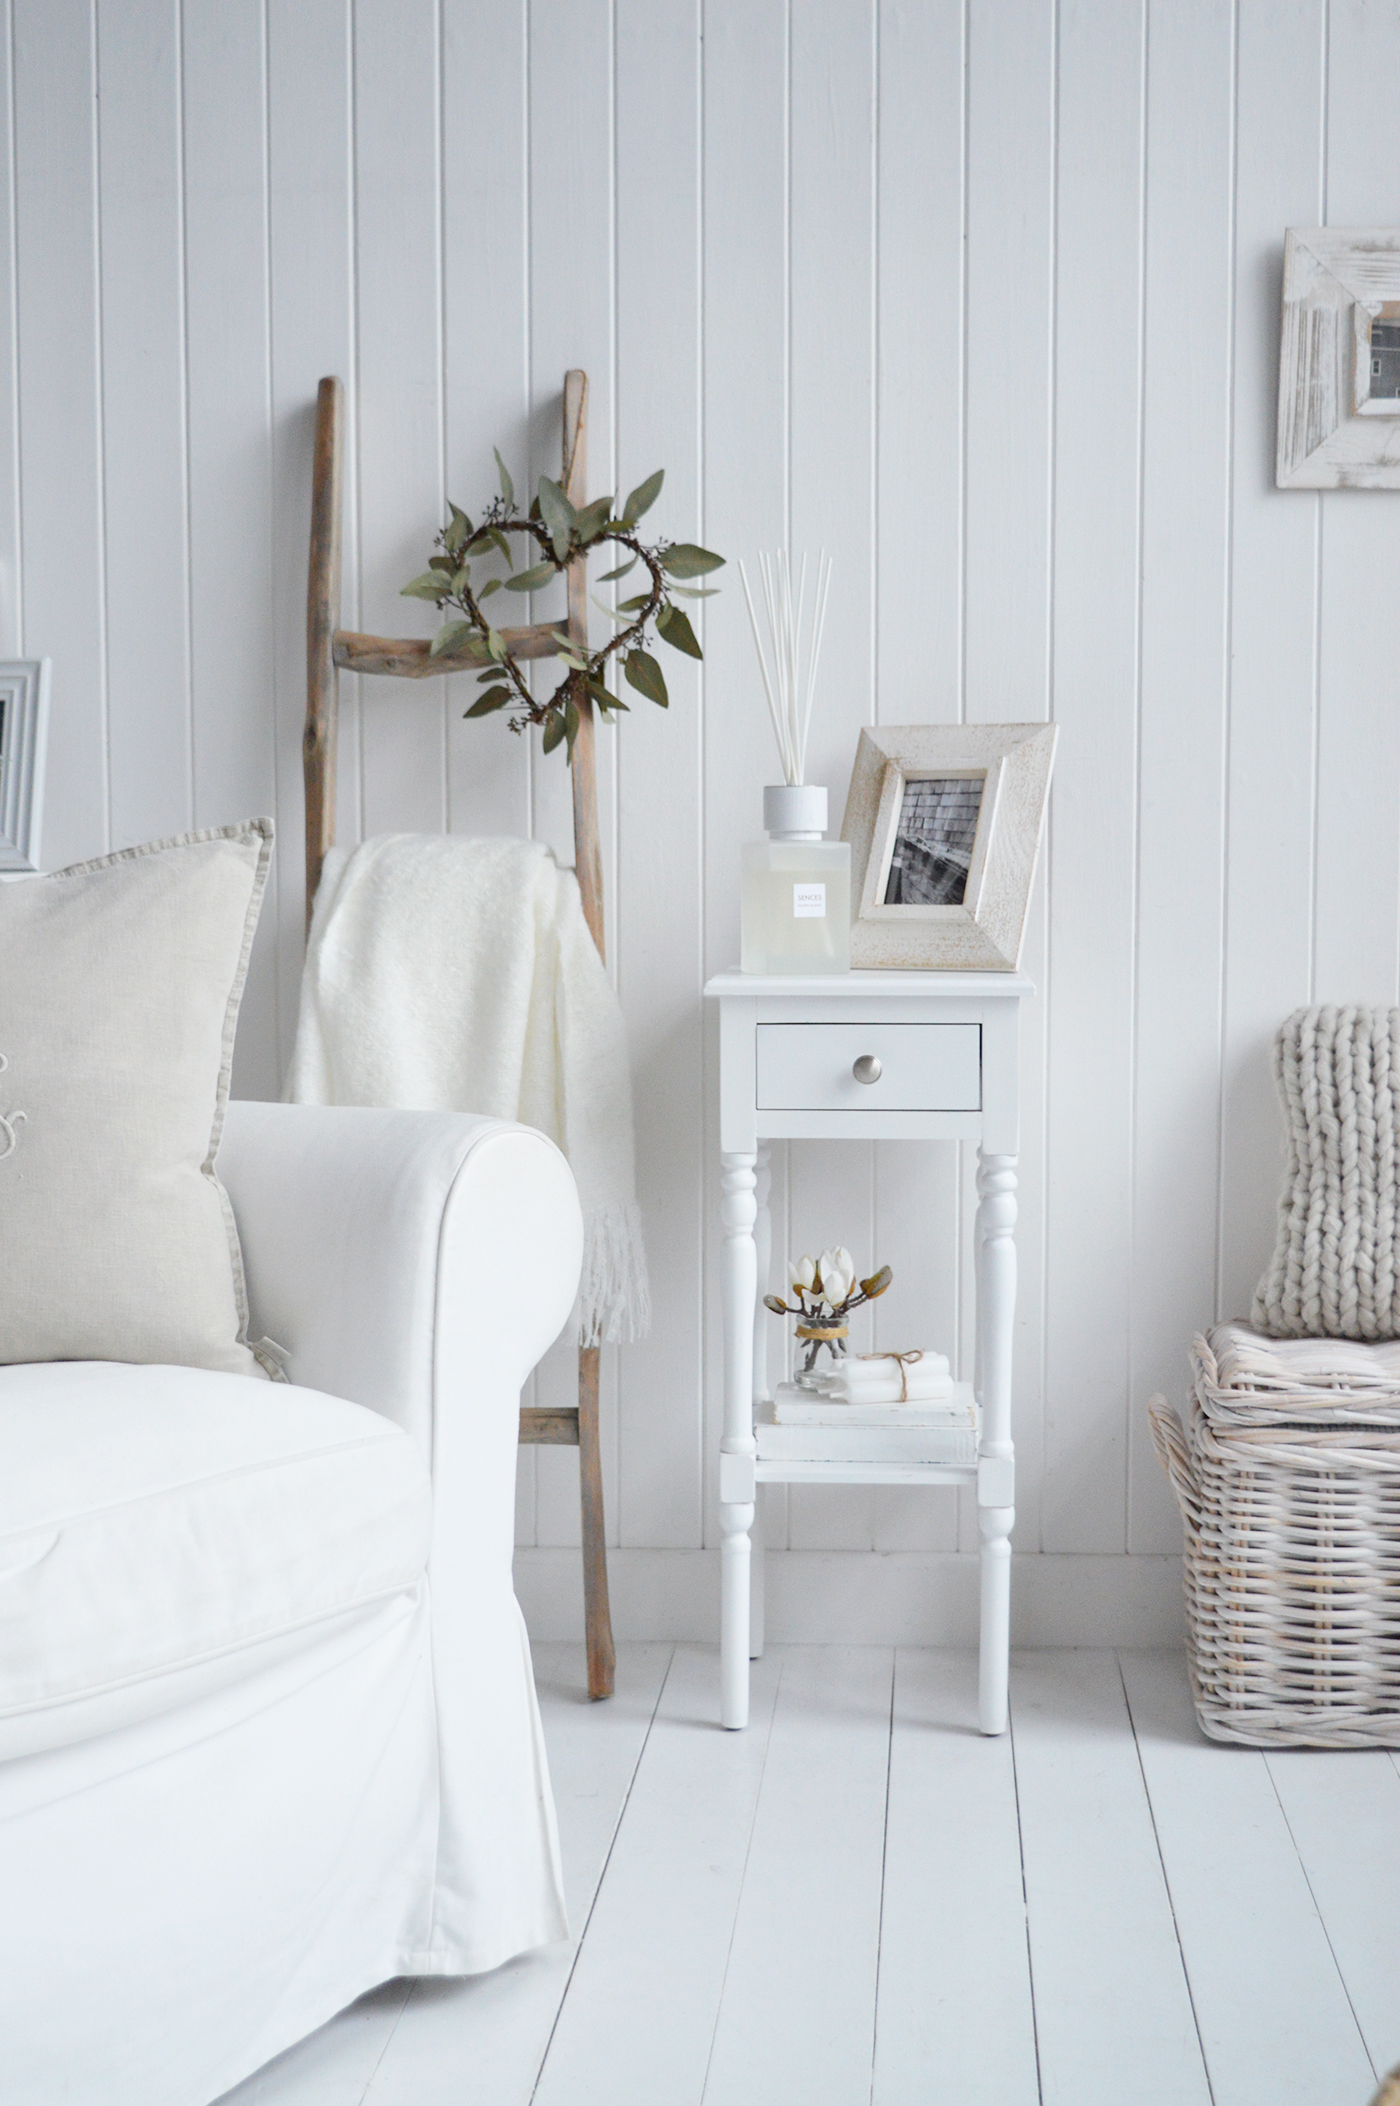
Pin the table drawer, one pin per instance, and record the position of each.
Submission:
(923, 1067)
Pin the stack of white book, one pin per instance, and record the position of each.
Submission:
(802, 1425)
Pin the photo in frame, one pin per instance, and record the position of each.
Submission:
(944, 823)
(24, 724)
(1339, 360)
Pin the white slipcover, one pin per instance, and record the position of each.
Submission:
(267, 1719)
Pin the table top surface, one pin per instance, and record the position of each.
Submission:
(867, 982)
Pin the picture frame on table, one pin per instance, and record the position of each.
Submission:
(944, 823)
(24, 725)
(1339, 360)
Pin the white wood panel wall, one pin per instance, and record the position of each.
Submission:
(981, 297)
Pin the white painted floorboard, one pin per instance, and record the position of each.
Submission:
(1110, 1990)
(954, 2022)
(1276, 2023)
(861, 1902)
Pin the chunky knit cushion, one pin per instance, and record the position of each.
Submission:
(1335, 1271)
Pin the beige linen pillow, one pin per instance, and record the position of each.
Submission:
(119, 989)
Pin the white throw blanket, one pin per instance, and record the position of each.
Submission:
(453, 975)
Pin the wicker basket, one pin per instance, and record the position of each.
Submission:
(1292, 1567)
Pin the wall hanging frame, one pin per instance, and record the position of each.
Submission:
(24, 729)
(1339, 362)
(944, 823)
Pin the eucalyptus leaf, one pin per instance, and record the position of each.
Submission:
(500, 542)
(685, 560)
(449, 636)
(531, 580)
(461, 579)
(646, 676)
(431, 586)
(604, 699)
(491, 585)
(558, 515)
(458, 530)
(675, 627)
(444, 563)
(553, 730)
(643, 498)
(495, 698)
(620, 572)
(593, 518)
(693, 592)
(631, 606)
(507, 486)
(571, 721)
(495, 645)
(614, 614)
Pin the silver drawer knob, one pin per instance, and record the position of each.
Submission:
(867, 1068)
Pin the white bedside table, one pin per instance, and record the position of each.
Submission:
(945, 1044)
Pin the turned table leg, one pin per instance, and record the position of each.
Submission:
(996, 1509)
(738, 1448)
(762, 1394)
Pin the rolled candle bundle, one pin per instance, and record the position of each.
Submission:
(879, 1378)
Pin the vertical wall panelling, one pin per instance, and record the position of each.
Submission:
(1009, 363)
(1098, 318)
(744, 324)
(920, 204)
(1358, 811)
(60, 418)
(140, 214)
(1273, 723)
(983, 298)
(486, 390)
(1187, 459)
(312, 278)
(572, 205)
(658, 763)
(486, 380)
(11, 527)
(399, 321)
(833, 119)
(226, 263)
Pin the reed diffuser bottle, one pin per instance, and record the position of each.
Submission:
(795, 894)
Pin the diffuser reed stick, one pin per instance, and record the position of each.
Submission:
(788, 667)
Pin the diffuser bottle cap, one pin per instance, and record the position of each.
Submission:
(794, 811)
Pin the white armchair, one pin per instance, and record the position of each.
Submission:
(268, 1731)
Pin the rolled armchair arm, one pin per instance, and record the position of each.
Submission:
(420, 1263)
(405, 1259)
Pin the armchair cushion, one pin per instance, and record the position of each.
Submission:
(120, 982)
(152, 1518)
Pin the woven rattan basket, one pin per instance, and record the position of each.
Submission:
(1292, 1569)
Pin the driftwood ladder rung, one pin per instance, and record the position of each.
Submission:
(331, 649)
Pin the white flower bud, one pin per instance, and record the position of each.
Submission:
(801, 1273)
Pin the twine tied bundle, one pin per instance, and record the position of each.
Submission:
(903, 1361)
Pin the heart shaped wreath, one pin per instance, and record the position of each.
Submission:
(562, 532)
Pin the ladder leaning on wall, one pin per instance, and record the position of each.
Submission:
(329, 648)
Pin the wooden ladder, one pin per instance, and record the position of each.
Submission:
(328, 649)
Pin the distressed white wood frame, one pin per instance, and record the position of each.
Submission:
(1331, 435)
(24, 726)
(986, 931)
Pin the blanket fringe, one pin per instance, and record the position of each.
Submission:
(614, 1297)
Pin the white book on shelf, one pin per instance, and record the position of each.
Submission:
(828, 1432)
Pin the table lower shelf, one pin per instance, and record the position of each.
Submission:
(790, 1470)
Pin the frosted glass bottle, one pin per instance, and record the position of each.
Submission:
(795, 911)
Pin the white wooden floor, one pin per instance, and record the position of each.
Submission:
(860, 1900)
